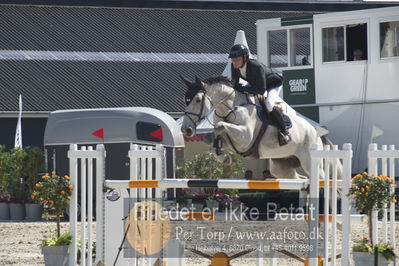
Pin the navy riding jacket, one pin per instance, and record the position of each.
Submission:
(259, 76)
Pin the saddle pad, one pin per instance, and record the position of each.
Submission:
(265, 118)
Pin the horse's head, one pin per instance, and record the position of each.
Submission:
(198, 106)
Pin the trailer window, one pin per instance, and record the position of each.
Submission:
(278, 48)
(356, 42)
(333, 44)
(345, 43)
(300, 47)
(389, 39)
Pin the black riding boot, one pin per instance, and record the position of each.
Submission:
(283, 136)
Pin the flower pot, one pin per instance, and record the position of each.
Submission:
(186, 203)
(17, 211)
(33, 212)
(212, 204)
(197, 207)
(56, 255)
(367, 259)
(4, 211)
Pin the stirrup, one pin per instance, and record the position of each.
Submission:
(283, 139)
(218, 144)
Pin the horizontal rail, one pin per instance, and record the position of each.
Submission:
(278, 184)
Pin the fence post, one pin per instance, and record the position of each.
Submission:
(314, 205)
(346, 203)
(100, 196)
(373, 170)
(392, 204)
(73, 206)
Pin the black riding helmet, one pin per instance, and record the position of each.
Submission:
(238, 50)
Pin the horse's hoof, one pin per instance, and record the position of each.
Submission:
(219, 129)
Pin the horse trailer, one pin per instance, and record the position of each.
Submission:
(117, 129)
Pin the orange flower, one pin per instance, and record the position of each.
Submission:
(366, 194)
(53, 172)
(70, 186)
(66, 177)
(62, 192)
(38, 185)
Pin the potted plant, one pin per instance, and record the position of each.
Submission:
(4, 206)
(233, 202)
(213, 200)
(15, 173)
(4, 184)
(183, 198)
(206, 166)
(53, 192)
(371, 193)
(34, 164)
(198, 201)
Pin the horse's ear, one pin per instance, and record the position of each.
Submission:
(198, 82)
(188, 83)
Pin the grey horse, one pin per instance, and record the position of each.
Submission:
(236, 121)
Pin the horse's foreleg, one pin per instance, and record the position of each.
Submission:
(283, 168)
(239, 134)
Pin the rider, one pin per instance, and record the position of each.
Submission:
(261, 80)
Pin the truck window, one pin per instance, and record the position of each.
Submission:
(389, 39)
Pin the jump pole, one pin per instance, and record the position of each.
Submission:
(279, 184)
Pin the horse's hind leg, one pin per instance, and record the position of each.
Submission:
(305, 160)
(285, 168)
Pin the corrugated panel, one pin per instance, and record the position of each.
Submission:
(53, 85)
(126, 30)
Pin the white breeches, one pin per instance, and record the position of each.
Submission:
(271, 97)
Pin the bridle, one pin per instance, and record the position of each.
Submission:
(200, 116)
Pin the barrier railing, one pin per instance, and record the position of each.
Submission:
(387, 158)
(147, 163)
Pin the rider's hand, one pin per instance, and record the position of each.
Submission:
(238, 87)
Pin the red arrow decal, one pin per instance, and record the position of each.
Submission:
(157, 134)
(99, 133)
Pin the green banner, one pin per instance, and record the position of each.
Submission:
(299, 88)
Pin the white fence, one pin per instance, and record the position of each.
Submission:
(148, 163)
(385, 158)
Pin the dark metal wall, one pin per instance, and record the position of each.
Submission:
(32, 131)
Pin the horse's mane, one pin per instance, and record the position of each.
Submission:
(219, 79)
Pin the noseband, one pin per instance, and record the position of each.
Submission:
(199, 115)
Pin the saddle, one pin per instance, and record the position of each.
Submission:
(264, 115)
(266, 119)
